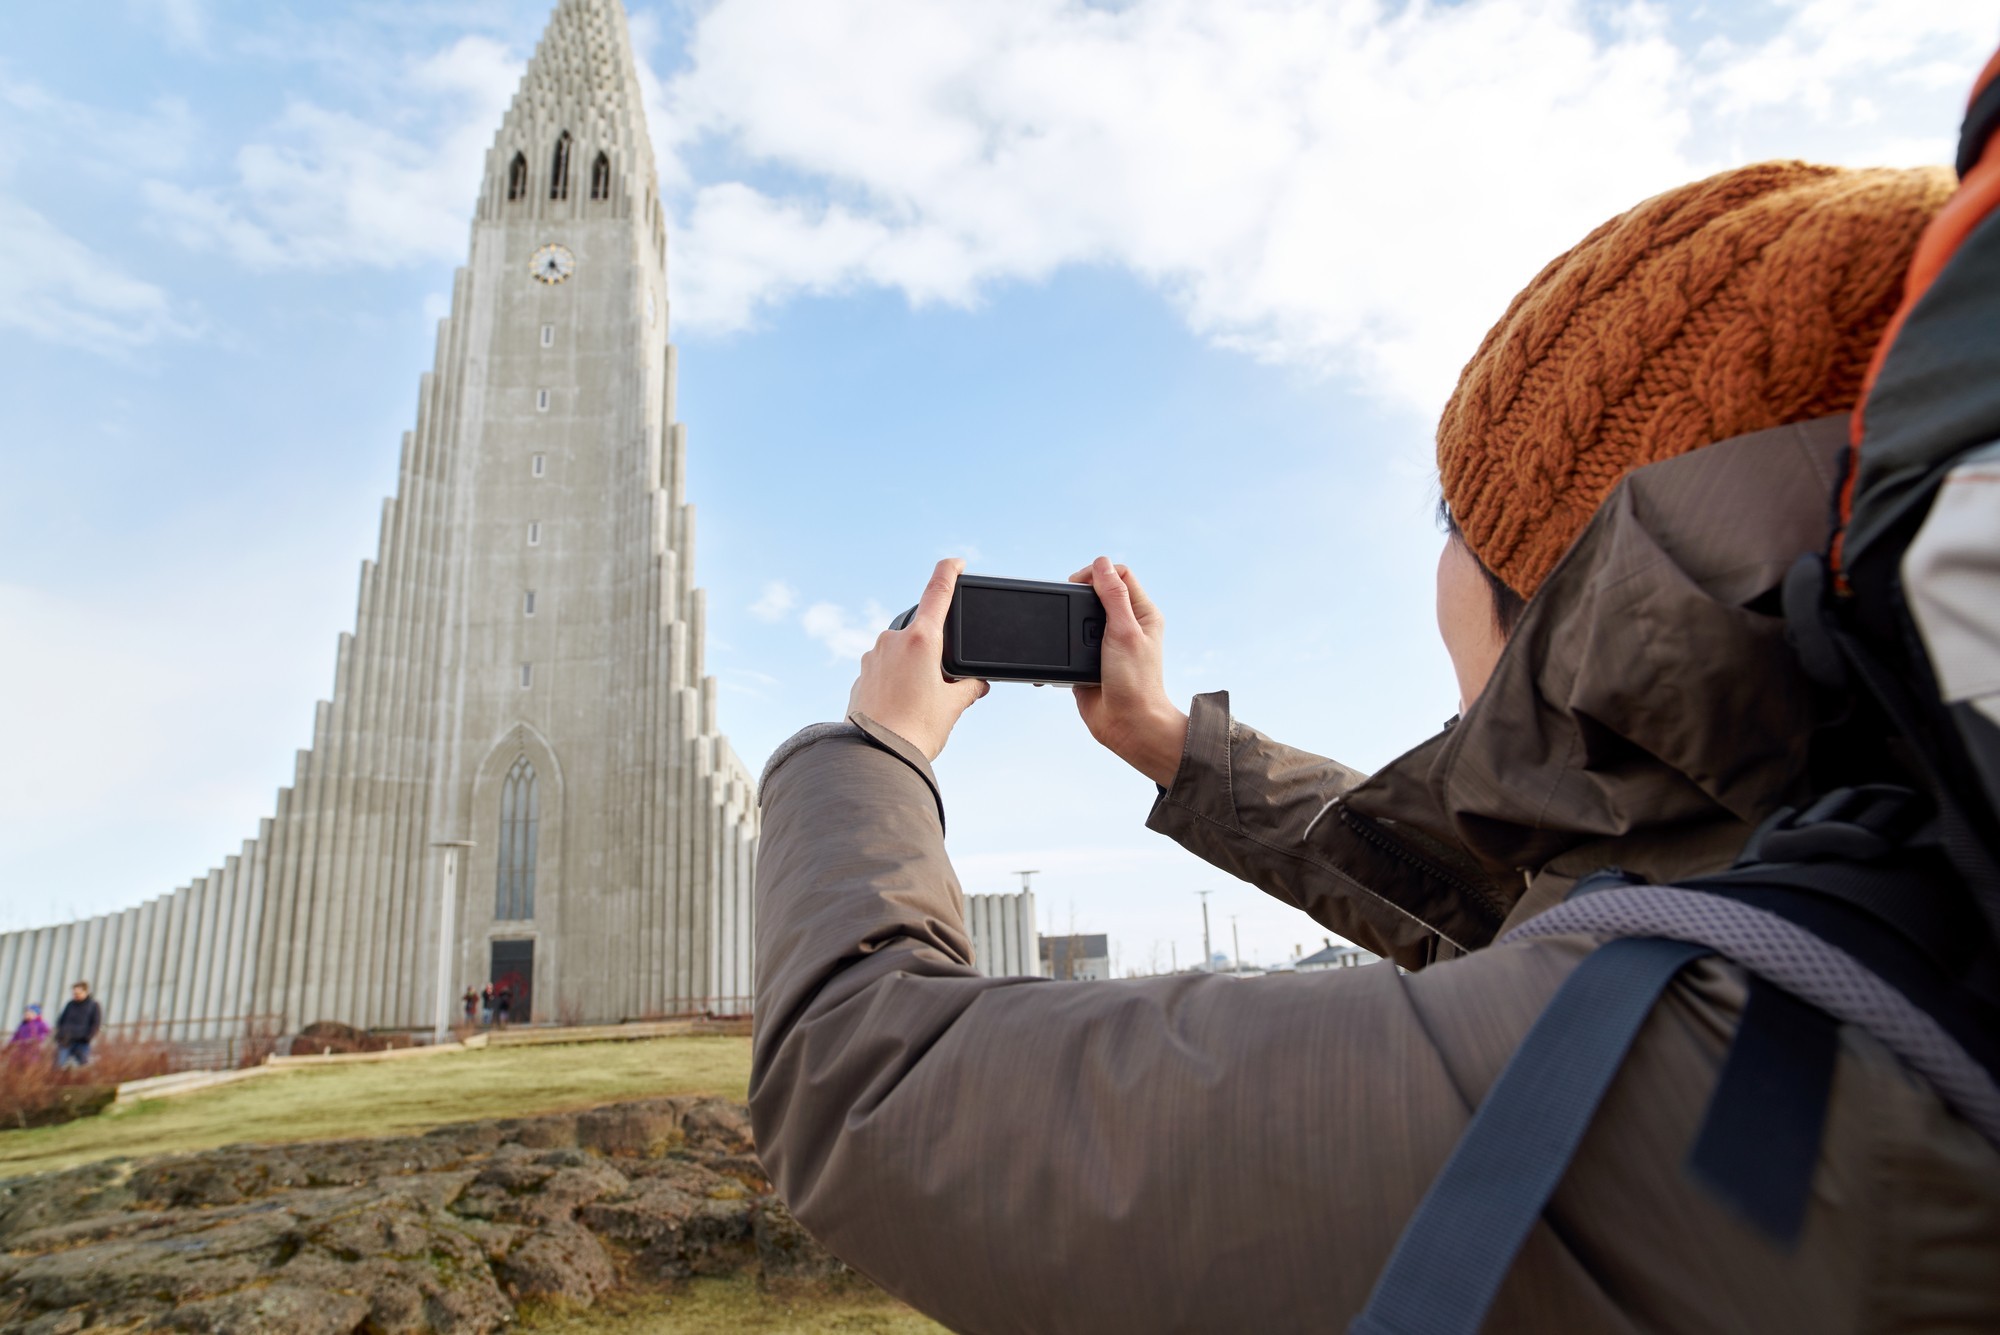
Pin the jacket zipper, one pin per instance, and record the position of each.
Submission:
(1371, 832)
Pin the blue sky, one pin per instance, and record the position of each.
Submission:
(1181, 283)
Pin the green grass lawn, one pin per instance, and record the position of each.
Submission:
(390, 1098)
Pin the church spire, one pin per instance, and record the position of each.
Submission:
(577, 128)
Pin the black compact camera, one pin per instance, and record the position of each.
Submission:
(1022, 630)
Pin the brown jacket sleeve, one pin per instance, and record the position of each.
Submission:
(1248, 805)
(1197, 1152)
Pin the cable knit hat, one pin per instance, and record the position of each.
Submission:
(1745, 301)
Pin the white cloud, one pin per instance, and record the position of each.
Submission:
(777, 599)
(185, 22)
(154, 140)
(1356, 187)
(70, 294)
(1828, 47)
(836, 628)
(324, 188)
(1350, 186)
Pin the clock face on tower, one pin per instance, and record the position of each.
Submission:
(551, 264)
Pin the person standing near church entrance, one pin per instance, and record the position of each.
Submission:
(77, 1026)
(471, 1005)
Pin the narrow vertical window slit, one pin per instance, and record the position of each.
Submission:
(520, 815)
(559, 169)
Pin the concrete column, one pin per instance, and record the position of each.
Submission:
(1031, 962)
(58, 966)
(344, 924)
(1004, 937)
(200, 956)
(376, 793)
(220, 950)
(250, 986)
(173, 978)
(236, 950)
(749, 945)
(187, 984)
(400, 998)
(90, 948)
(123, 1007)
(312, 955)
(34, 973)
(68, 958)
(145, 961)
(444, 995)
(355, 861)
(62, 965)
(10, 977)
(672, 647)
(40, 969)
(975, 927)
(20, 952)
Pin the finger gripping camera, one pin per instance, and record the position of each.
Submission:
(1022, 630)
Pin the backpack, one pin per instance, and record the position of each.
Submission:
(1877, 905)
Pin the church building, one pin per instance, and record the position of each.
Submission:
(519, 778)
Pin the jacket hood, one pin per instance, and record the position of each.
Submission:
(1647, 711)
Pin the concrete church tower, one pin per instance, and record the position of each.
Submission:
(519, 774)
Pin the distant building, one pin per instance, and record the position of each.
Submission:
(1342, 956)
(1002, 926)
(1078, 957)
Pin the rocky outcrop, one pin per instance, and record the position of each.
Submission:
(446, 1231)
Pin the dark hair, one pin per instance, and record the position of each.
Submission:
(1507, 604)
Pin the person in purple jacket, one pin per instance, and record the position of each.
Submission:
(32, 1032)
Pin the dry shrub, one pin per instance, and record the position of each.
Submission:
(260, 1040)
(323, 1037)
(34, 1093)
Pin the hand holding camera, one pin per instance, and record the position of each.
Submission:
(1129, 711)
(1098, 634)
(900, 686)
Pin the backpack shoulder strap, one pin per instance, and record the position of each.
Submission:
(1458, 1247)
(1812, 969)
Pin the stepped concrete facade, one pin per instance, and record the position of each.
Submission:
(519, 777)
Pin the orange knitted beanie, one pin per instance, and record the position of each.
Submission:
(1745, 301)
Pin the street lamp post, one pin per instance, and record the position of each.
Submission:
(447, 911)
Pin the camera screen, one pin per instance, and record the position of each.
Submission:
(1014, 627)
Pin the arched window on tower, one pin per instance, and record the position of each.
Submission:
(517, 177)
(520, 814)
(600, 178)
(559, 172)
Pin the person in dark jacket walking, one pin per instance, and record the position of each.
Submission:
(77, 1026)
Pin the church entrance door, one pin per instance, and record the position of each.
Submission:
(514, 971)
